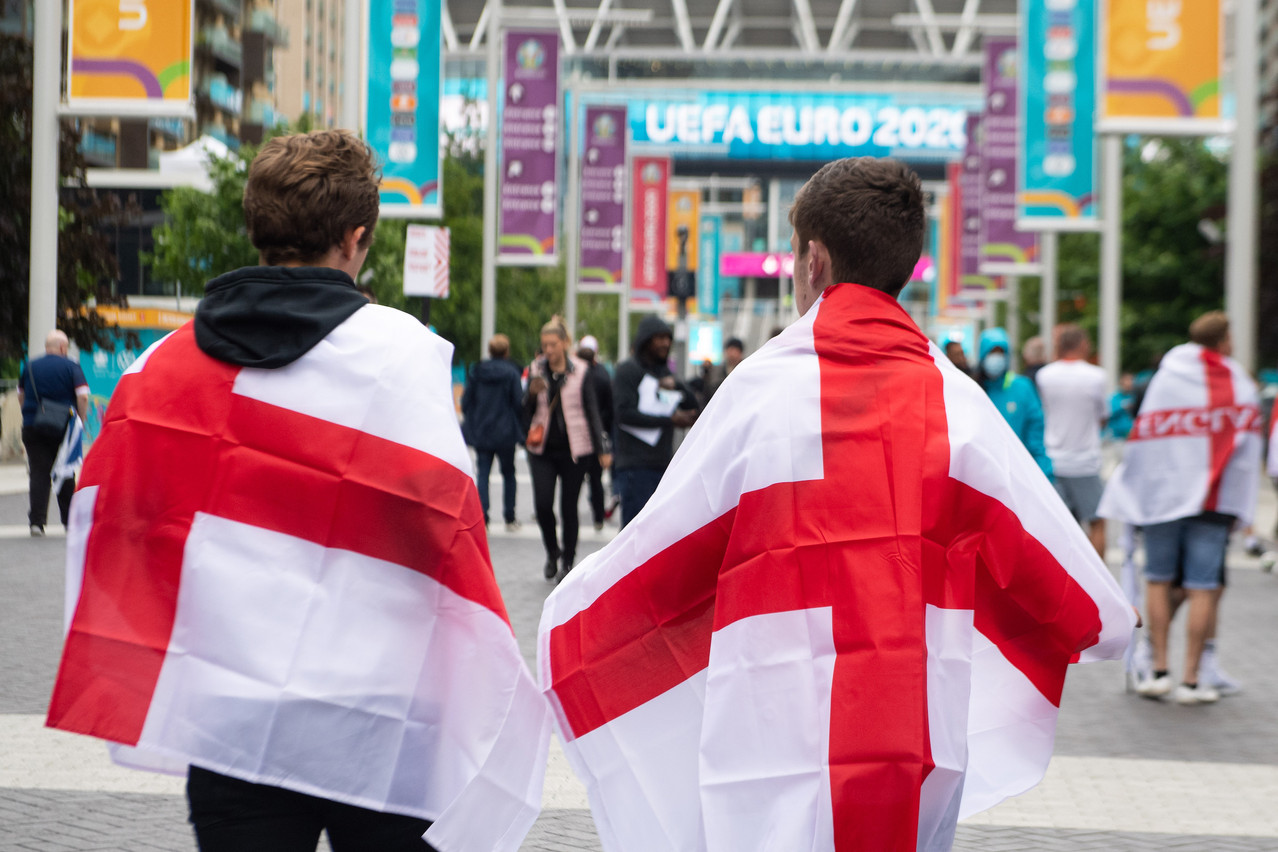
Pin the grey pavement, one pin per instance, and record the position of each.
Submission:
(1129, 774)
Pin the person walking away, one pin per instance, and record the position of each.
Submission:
(284, 587)
(492, 406)
(54, 380)
(1034, 357)
(565, 429)
(1122, 408)
(1074, 408)
(588, 351)
(651, 404)
(1013, 395)
(1189, 474)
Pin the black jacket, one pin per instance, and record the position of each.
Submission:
(630, 451)
(491, 406)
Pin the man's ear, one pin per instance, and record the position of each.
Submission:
(350, 243)
(818, 264)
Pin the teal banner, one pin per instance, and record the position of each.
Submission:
(1056, 174)
(708, 266)
(405, 74)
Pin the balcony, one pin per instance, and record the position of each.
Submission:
(98, 148)
(222, 94)
(263, 21)
(231, 8)
(262, 111)
(218, 42)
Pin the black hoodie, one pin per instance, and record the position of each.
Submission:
(269, 316)
(629, 451)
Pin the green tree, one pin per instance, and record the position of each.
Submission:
(1174, 194)
(86, 262)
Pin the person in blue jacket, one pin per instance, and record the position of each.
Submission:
(1013, 395)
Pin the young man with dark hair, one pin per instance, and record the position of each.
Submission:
(849, 565)
(284, 586)
(492, 406)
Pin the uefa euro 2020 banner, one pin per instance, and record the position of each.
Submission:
(1056, 172)
(404, 86)
(129, 57)
(1161, 67)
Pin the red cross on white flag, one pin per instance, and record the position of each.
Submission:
(282, 575)
(843, 620)
(1195, 446)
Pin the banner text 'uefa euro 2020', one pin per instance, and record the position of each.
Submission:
(773, 126)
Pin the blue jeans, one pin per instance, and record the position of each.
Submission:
(635, 487)
(1191, 548)
(484, 467)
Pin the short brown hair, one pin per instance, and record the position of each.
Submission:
(499, 346)
(306, 191)
(869, 215)
(1070, 338)
(1210, 329)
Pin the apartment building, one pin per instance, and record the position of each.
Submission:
(308, 71)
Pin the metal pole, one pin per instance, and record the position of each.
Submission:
(627, 254)
(488, 281)
(1047, 293)
(572, 211)
(1240, 257)
(1111, 267)
(352, 52)
(42, 309)
(1014, 317)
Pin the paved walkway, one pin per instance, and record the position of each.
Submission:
(1129, 774)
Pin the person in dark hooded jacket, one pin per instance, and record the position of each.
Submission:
(491, 406)
(649, 404)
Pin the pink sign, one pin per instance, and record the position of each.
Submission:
(760, 264)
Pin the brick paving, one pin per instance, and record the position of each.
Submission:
(1098, 722)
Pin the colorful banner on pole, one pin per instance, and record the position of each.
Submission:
(528, 225)
(603, 196)
(1004, 250)
(426, 261)
(708, 276)
(972, 284)
(405, 74)
(1161, 70)
(1056, 182)
(130, 58)
(651, 177)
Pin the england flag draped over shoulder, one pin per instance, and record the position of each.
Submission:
(1273, 442)
(844, 619)
(283, 577)
(1195, 446)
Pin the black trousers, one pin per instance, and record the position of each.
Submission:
(41, 452)
(546, 470)
(230, 815)
(598, 497)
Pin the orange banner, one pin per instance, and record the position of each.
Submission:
(684, 212)
(1162, 61)
(134, 52)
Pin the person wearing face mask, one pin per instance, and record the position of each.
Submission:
(1013, 395)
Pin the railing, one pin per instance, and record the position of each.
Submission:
(263, 21)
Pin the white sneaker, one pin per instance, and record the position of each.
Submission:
(1201, 694)
(1142, 662)
(1210, 673)
(1155, 687)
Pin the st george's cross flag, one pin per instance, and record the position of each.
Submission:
(282, 575)
(843, 620)
(1195, 445)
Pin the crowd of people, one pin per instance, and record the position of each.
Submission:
(280, 582)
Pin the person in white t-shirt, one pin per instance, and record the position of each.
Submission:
(1074, 412)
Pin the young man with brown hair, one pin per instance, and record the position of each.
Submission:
(849, 565)
(286, 587)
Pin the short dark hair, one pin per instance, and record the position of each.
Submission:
(868, 213)
(734, 343)
(1210, 329)
(306, 191)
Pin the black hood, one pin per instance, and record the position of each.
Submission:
(493, 371)
(649, 327)
(269, 316)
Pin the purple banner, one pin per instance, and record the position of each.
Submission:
(603, 196)
(1001, 243)
(972, 284)
(527, 227)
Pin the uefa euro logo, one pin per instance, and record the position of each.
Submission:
(605, 127)
(651, 173)
(530, 55)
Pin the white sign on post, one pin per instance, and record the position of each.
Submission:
(426, 261)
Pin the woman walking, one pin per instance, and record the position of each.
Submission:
(564, 430)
